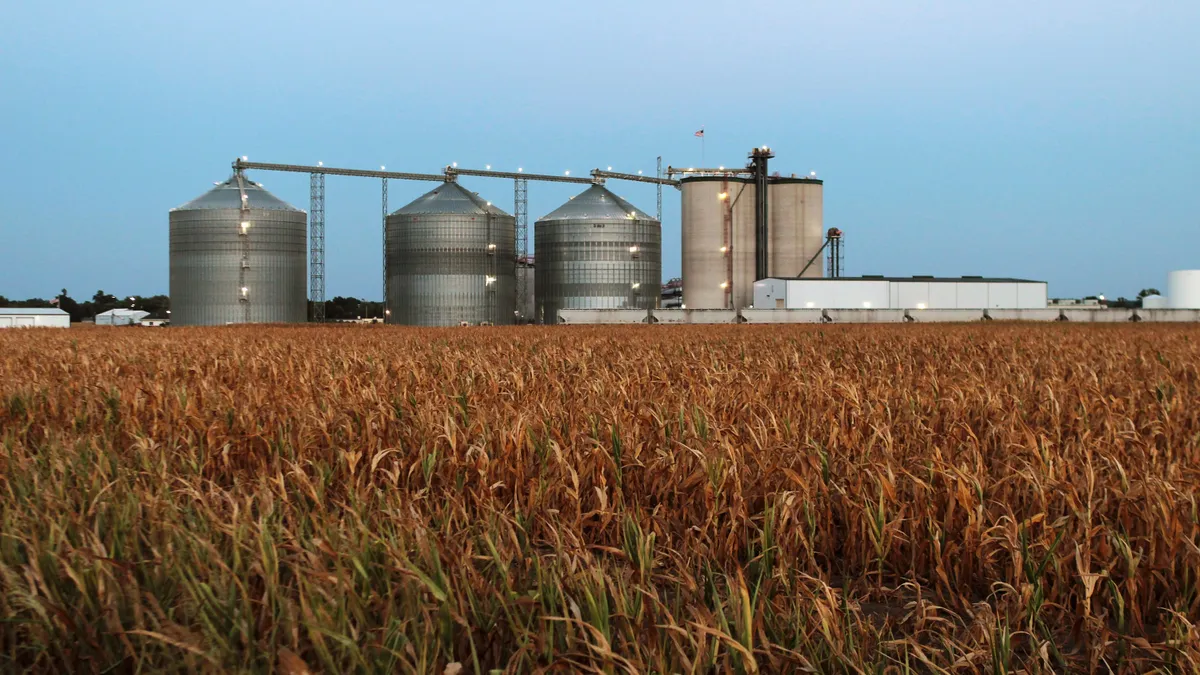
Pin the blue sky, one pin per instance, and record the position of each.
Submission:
(1056, 141)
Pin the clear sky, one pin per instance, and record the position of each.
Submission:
(1048, 140)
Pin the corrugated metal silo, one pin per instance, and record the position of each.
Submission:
(597, 251)
(451, 258)
(718, 241)
(234, 266)
(796, 226)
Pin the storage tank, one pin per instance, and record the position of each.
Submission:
(451, 258)
(718, 241)
(796, 226)
(1183, 289)
(1154, 302)
(597, 251)
(229, 265)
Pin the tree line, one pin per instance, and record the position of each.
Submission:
(159, 306)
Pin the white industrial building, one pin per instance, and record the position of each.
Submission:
(900, 293)
(34, 317)
(121, 317)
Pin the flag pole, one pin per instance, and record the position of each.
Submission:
(702, 145)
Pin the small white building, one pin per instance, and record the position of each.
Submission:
(121, 317)
(34, 317)
(878, 292)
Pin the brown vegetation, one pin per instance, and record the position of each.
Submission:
(647, 499)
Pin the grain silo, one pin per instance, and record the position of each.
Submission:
(451, 258)
(795, 227)
(718, 241)
(597, 251)
(238, 255)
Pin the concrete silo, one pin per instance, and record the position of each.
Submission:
(597, 251)
(451, 258)
(238, 255)
(718, 241)
(796, 227)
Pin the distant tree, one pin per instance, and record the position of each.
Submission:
(102, 302)
(68, 304)
(157, 305)
(1147, 291)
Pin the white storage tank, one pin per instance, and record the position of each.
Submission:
(1154, 302)
(1183, 289)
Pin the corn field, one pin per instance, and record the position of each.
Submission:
(729, 499)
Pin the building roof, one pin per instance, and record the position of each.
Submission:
(449, 198)
(596, 203)
(920, 279)
(40, 311)
(121, 311)
(228, 195)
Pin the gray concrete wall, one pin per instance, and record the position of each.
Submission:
(945, 315)
(1163, 315)
(810, 316)
(602, 316)
(865, 315)
(697, 316)
(781, 315)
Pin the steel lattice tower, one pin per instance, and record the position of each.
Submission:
(521, 213)
(385, 266)
(316, 236)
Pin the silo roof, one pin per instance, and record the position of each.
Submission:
(449, 198)
(596, 203)
(227, 195)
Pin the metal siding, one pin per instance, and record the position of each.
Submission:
(438, 266)
(943, 296)
(205, 261)
(912, 295)
(584, 261)
(971, 295)
(849, 294)
(704, 265)
(1031, 296)
(1002, 296)
(768, 291)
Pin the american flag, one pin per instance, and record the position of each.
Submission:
(54, 301)
(700, 133)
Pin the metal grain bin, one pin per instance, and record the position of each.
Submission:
(230, 265)
(795, 226)
(597, 251)
(718, 241)
(451, 258)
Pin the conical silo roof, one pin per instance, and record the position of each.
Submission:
(228, 195)
(597, 203)
(449, 198)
